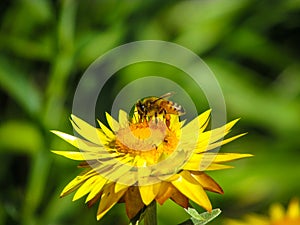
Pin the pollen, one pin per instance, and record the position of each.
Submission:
(150, 140)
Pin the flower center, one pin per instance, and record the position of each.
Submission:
(151, 140)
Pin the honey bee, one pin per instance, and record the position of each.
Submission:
(151, 106)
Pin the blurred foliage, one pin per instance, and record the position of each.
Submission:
(252, 46)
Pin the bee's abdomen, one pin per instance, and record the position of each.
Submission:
(179, 108)
(176, 108)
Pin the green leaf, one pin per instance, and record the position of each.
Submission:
(20, 136)
(91, 45)
(17, 85)
(148, 216)
(200, 219)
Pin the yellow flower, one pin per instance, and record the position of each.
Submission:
(137, 162)
(278, 216)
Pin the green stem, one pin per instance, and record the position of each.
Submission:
(150, 217)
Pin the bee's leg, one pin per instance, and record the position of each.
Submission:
(144, 116)
(146, 119)
(149, 118)
(167, 116)
(155, 115)
(155, 146)
(135, 118)
(140, 119)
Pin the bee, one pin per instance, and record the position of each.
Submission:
(154, 106)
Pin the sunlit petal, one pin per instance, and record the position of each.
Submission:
(123, 118)
(207, 182)
(108, 199)
(85, 130)
(97, 187)
(77, 181)
(149, 192)
(77, 142)
(113, 124)
(106, 131)
(187, 185)
(85, 188)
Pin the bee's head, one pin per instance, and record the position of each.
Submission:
(140, 107)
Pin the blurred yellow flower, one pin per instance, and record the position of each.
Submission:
(278, 216)
(139, 162)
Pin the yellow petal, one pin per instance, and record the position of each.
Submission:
(113, 124)
(175, 124)
(123, 118)
(204, 117)
(182, 123)
(70, 154)
(200, 122)
(188, 186)
(149, 192)
(106, 131)
(97, 187)
(293, 209)
(227, 127)
(108, 199)
(194, 162)
(216, 166)
(114, 169)
(223, 142)
(77, 155)
(257, 220)
(203, 161)
(193, 130)
(104, 139)
(85, 130)
(77, 142)
(277, 212)
(130, 179)
(165, 192)
(227, 157)
(85, 188)
(119, 187)
(249, 220)
(207, 182)
(77, 181)
(214, 135)
(207, 158)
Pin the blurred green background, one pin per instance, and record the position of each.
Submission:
(252, 46)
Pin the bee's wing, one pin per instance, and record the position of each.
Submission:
(167, 95)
